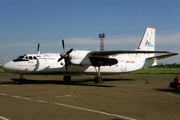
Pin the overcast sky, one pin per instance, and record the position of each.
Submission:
(25, 23)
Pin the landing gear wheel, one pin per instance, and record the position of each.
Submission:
(67, 78)
(171, 84)
(98, 79)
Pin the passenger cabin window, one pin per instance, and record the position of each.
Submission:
(34, 57)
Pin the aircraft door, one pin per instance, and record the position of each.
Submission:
(123, 66)
(31, 63)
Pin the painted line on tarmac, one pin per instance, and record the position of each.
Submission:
(105, 113)
(67, 96)
(42, 101)
(65, 105)
(16, 96)
(173, 95)
(3, 118)
(27, 98)
(3, 94)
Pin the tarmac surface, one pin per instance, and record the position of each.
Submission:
(120, 97)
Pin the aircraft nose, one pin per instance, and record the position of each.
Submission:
(9, 66)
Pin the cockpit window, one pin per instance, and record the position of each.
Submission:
(25, 58)
(21, 58)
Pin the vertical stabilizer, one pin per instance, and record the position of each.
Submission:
(148, 40)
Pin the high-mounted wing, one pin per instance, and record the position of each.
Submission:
(100, 58)
(163, 56)
(106, 53)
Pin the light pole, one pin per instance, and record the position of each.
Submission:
(102, 36)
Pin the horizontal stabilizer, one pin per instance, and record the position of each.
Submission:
(102, 53)
(163, 56)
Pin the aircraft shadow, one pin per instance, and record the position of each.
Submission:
(168, 90)
(109, 79)
(117, 119)
(57, 82)
(84, 82)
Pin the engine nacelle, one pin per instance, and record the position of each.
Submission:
(80, 58)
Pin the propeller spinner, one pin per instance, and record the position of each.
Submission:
(65, 55)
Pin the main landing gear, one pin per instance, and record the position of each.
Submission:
(98, 79)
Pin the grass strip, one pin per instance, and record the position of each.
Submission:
(2, 71)
(157, 71)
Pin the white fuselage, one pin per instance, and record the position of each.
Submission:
(79, 64)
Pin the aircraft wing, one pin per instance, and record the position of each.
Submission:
(100, 58)
(163, 56)
(106, 53)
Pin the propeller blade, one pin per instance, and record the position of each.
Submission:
(66, 64)
(65, 55)
(36, 65)
(68, 52)
(60, 59)
(63, 45)
(38, 48)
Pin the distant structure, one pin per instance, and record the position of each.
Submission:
(102, 36)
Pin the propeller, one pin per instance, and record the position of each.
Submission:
(38, 48)
(64, 55)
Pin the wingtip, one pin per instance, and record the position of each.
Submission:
(176, 53)
(167, 52)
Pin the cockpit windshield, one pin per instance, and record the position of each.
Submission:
(21, 57)
(25, 58)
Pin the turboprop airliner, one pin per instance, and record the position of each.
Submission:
(81, 62)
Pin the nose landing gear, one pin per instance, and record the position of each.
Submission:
(21, 80)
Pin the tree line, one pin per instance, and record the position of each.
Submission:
(162, 65)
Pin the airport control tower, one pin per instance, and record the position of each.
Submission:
(102, 36)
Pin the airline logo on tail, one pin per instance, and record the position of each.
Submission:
(148, 44)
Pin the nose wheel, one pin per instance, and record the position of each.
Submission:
(21, 80)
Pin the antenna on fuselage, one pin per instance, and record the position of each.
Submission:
(38, 52)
